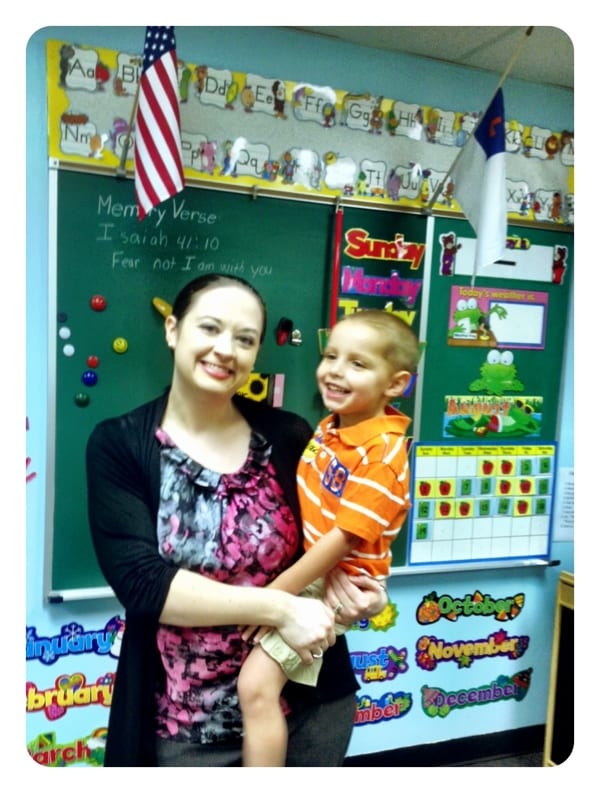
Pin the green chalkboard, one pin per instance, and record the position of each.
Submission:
(282, 246)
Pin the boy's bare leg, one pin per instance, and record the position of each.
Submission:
(260, 683)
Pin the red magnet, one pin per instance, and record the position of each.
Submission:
(93, 361)
(283, 330)
(98, 302)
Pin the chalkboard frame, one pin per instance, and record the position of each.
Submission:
(56, 588)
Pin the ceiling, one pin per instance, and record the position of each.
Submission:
(545, 55)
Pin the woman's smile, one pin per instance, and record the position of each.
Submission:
(218, 371)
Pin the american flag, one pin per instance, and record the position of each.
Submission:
(157, 153)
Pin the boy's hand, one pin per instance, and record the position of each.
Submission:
(353, 598)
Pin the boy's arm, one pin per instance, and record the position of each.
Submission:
(317, 561)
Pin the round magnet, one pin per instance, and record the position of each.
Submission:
(65, 333)
(69, 350)
(120, 345)
(93, 361)
(82, 400)
(98, 302)
(89, 378)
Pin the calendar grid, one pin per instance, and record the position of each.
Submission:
(479, 502)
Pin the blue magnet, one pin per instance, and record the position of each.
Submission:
(89, 378)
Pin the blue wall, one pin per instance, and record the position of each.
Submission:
(294, 56)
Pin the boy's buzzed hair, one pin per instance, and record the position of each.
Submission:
(402, 348)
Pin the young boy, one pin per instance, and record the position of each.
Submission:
(353, 484)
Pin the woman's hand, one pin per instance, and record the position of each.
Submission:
(353, 598)
(308, 626)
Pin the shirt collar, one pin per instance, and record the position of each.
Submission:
(359, 434)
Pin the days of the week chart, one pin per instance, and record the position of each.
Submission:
(477, 502)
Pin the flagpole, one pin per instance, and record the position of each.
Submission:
(121, 170)
(505, 74)
(335, 277)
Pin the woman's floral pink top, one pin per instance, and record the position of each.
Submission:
(234, 528)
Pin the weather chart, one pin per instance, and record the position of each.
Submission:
(477, 503)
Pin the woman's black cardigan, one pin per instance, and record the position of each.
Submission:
(123, 476)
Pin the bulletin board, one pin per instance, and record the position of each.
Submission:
(479, 385)
(107, 347)
(484, 469)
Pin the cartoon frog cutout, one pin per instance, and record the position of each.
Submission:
(471, 323)
(519, 421)
(498, 374)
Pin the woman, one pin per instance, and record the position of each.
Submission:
(193, 510)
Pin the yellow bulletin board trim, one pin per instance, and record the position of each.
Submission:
(377, 151)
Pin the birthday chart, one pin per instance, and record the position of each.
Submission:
(479, 503)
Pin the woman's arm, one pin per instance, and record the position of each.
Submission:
(315, 563)
(123, 527)
(123, 482)
(304, 623)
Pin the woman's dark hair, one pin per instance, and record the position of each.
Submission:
(184, 298)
